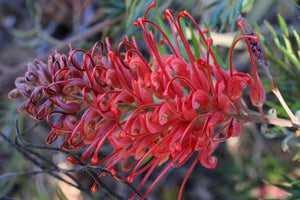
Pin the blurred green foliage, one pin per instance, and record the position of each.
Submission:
(289, 185)
(227, 12)
(285, 67)
(285, 62)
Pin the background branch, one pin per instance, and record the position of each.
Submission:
(267, 120)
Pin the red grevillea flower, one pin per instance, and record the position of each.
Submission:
(166, 108)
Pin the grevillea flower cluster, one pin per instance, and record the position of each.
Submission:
(154, 112)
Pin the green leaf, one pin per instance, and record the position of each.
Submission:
(283, 25)
(235, 14)
(297, 38)
(297, 156)
(181, 46)
(213, 48)
(226, 67)
(127, 4)
(212, 4)
(130, 9)
(295, 184)
(216, 16)
(272, 30)
(225, 19)
(163, 27)
(195, 44)
(290, 56)
(226, 12)
(284, 187)
(288, 44)
(218, 57)
(275, 60)
(287, 178)
(247, 6)
(284, 51)
(147, 159)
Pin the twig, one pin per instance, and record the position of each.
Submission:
(89, 169)
(30, 145)
(61, 170)
(267, 120)
(57, 169)
(35, 162)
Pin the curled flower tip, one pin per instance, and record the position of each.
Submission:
(14, 94)
(210, 162)
(20, 81)
(31, 77)
(26, 91)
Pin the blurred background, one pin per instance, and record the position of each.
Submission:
(261, 163)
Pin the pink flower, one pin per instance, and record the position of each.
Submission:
(168, 108)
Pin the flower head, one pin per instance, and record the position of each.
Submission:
(166, 108)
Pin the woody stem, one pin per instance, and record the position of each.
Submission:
(267, 120)
(276, 91)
